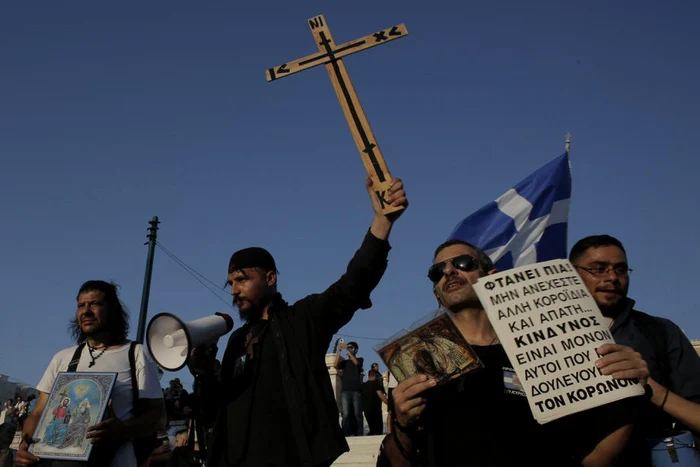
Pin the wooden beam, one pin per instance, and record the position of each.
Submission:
(331, 55)
(343, 50)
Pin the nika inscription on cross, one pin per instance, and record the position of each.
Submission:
(331, 55)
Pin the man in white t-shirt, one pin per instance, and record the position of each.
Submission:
(102, 324)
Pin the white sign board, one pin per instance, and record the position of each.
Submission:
(550, 327)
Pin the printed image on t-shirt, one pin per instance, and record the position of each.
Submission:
(511, 383)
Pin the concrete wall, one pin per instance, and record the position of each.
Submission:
(696, 345)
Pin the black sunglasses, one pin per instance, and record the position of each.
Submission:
(465, 263)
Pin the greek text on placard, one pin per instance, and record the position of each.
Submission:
(565, 381)
(584, 339)
(559, 297)
(584, 393)
(532, 355)
(514, 311)
(550, 284)
(551, 332)
(562, 312)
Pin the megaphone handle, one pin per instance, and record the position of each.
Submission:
(196, 422)
(192, 426)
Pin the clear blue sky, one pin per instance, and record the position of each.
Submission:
(113, 113)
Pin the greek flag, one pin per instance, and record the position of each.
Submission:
(528, 223)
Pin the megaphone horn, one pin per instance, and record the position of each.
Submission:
(170, 340)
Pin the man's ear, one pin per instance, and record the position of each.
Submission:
(271, 278)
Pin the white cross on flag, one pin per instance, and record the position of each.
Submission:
(528, 223)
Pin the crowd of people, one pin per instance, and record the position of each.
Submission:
(12, 416)
(270, 402)
(177, 444)
(15, 411)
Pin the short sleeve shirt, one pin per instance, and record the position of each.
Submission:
(113, 360)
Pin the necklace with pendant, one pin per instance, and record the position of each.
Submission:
(94, 357)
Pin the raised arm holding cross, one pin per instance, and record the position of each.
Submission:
(331, 55)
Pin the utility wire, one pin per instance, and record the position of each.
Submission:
(362, 337)
(194, 273)
(201, 278)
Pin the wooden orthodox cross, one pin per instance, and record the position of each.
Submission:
(331, 55)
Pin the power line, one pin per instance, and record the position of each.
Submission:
(194, 273)
(361, 337)
(185, 265)
(197, 275)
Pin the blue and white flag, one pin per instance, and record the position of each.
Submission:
(528, 223)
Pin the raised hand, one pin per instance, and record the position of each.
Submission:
(395, 196)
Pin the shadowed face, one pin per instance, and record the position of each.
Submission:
(604, 270)
(454, 289)
(92, 312)
(251, 289)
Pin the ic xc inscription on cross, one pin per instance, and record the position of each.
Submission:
(331, 55)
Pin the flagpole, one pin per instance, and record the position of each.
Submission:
(568, 143)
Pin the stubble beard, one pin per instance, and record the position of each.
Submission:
(97, 329)
(460, 299)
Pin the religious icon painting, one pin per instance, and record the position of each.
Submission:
(77, 401)
(432, 346)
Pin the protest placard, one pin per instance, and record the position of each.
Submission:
(550, 327)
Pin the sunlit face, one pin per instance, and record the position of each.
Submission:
(454, 290)
(250, 289)
(609, 290)
(92, 312)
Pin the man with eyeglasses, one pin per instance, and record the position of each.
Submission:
(483, 418)
(674, 366)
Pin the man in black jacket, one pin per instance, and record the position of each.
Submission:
(279, 409)
(674, 366)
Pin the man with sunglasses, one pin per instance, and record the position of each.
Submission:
(483, 418)
(674, 366)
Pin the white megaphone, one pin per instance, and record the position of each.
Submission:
(170, 340)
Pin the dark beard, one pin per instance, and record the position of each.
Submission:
(613, 311)
(250, 315)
